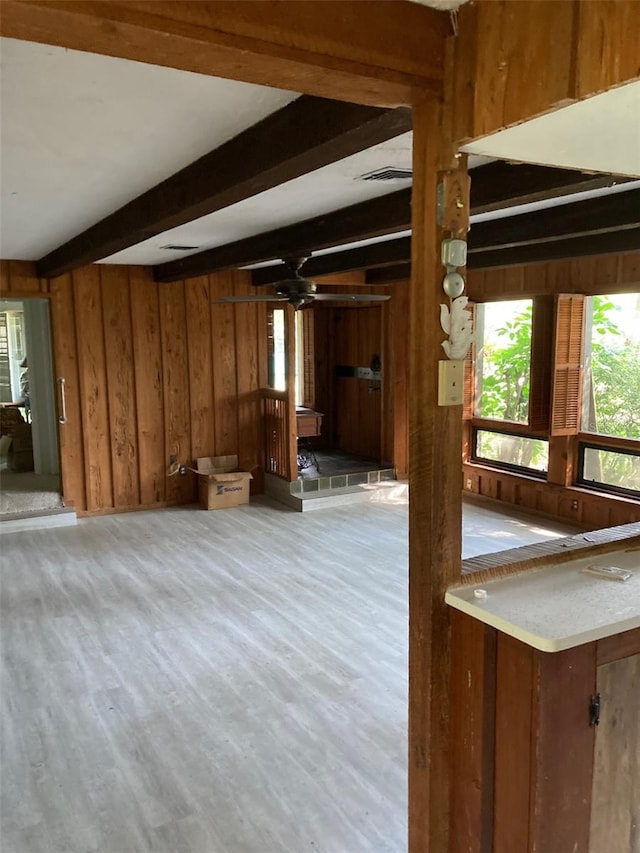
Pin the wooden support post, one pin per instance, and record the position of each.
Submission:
(435, 507)
(290, 366)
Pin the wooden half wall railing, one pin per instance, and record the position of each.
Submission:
(280, 439)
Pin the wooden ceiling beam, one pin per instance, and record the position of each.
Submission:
(624, 240)
(382, 215)
(303, 136)
(386, 275)
(386, 57)
(376, 255)
(603, 224)
(496, 184)
(499, 185)
(593, 216)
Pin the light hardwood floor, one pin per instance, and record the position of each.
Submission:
(181, 681)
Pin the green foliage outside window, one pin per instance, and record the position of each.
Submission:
(504, 384)
(613, 386)
(612, 389)
(506, 360)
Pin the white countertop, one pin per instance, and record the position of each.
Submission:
(557, 607)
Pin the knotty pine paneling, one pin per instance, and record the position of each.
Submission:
(608, 39)
(177, 401)
(121, 388)
(324, 378)
(396, 434)
(514, 39)
(248, 327)
(224, 348)
(151, 370)
(18, 278)
(585, 508)
(357, 334)
(612, 273)
(94, 404)
(514, 61)
(147, 363)
(198, 300)
(354, 344)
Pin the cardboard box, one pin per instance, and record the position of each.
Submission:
(221, 484)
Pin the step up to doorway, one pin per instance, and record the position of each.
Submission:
(308, 497)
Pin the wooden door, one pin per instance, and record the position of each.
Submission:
(357, 341)
(615, 799)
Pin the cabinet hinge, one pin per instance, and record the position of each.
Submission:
(594, 710)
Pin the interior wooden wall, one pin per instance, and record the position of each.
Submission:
(613, 273)
(151, 370)
(586, 508)
(573, 50)
(351, 342)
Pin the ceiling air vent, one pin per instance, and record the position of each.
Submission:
(173, 248)
(388, 173)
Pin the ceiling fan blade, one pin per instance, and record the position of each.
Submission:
(251, 299)
(350, 297)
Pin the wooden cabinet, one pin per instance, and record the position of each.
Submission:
(530, 769)
(308, 423)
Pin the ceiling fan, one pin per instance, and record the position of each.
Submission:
(299, 291)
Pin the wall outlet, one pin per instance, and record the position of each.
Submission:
(574, 504)
(182, 470)
(469, 484)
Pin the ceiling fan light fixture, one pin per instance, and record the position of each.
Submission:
(300, 292)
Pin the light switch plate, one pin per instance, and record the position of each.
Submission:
(450, 382)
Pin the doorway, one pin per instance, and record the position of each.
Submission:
(357, 340)
(29, 457)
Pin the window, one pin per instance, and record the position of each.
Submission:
(612, 470)
(503, 365)
(611, 397)
(512, 451)
(303, 348)
(277, 374)
(299, 359)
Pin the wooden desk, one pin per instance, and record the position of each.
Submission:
(308, 423)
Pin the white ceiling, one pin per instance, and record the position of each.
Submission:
(326, 189)
(601, 133)
(82, 134)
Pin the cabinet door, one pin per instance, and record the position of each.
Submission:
(615, 801)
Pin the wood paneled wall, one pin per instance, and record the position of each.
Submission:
(18, 279)
(574, 49)
(336, 344)
(579, 506)
(395, 349)
(152, 370)
(613, 273)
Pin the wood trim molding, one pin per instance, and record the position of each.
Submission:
(618, 646)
